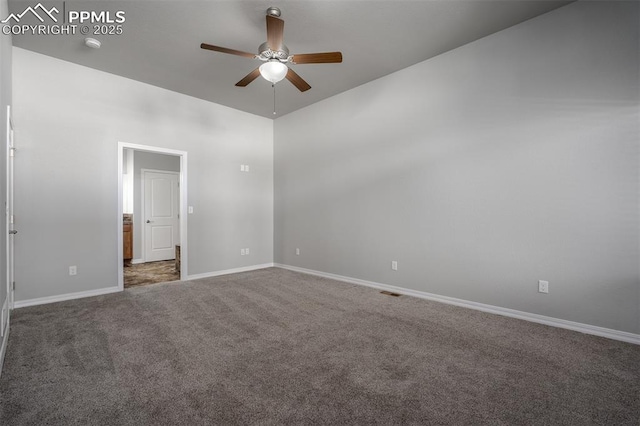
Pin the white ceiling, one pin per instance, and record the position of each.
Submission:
(160, 44)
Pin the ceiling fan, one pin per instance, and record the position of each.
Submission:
(275, 56)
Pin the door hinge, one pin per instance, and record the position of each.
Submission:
(13, 285)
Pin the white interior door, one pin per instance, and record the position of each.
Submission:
(8, 305)
(161, 215)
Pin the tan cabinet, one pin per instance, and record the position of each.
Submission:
(178, 258)
(127, 239)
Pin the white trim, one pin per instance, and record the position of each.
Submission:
(9, 204)
(3, 348)
(8, 303)
(65, 297)
(541, 319)
(230, 271)
(119, 236)
(136, 261)
(184, 247)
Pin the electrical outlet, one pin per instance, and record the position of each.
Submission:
(190, 209)
(73, 270)
(297, 252)
(246, 251)
(242, 167)
(246, 167)
(394, 265)
(242, 252)
(543, 286)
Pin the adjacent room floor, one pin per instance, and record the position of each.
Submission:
(150, 273)
(275, 347)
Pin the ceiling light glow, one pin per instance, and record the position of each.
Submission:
(273, 70)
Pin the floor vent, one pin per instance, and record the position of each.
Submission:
(389, 293)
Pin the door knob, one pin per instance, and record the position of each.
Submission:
(148, 221)
(13, 232)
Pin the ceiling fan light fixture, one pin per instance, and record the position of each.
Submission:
(275, 56)
(273, 70)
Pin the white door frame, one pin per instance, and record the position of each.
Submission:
(143, 212)
(184, 264)
(9, 224)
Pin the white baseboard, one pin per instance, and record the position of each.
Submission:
(541, 319)
(136, 261)
(101, 291)
(63, 297)
(230, 271)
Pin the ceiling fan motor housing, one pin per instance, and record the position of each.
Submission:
(267, 54)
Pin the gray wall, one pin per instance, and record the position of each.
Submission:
(5, 99)
(69, 121)
(481, 171)
(146, 160)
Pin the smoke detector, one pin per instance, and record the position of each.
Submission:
(92, 43)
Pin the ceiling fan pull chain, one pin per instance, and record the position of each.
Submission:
(274, 98)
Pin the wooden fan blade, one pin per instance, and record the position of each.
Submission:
(318, 58)
(297, 81)
(275, 32)
(249, 78)
(225, 50)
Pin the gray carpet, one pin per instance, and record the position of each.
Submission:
(275, 347)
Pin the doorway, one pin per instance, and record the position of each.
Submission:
(152, 199)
